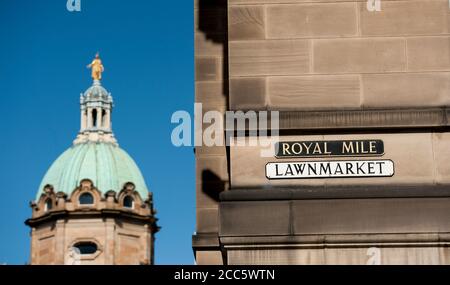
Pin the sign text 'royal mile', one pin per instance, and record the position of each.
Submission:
(330, 148)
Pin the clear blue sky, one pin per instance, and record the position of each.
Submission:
(147, 49)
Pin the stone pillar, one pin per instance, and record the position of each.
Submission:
(110, 199)
(108, 120)
(109, 249)
(146, 245)
(83, 119)
(99, 117)
(33, 249)
(61, 201)
(60, 241)
(89, 118)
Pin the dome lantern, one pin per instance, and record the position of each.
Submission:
(96, 106)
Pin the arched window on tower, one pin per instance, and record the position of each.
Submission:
(128, 202)
(86, 199)
(94, 118)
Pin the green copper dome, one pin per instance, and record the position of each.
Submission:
(105, 164)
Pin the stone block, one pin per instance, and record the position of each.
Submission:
(311, 20)
(359, 55)
(246, 23)
(211, 169)
(441, 153)
(247, 93)
(248, 218)
(281, 57)
(314, 92)
(405, 18)
(211, 94)
(406, 90)
(428, 53)
(207, 220)
(207, 69)
(205, 46)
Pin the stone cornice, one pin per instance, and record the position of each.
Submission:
(335, 192)
(337, 241)
(364, 119)
(93, 213)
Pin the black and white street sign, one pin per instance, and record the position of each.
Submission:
(330, 169)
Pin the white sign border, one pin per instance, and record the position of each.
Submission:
(330, 177)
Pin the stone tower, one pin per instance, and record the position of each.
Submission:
(93, 206)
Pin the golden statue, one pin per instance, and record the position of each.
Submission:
(97, 67)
